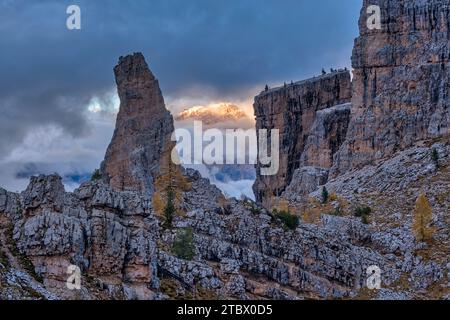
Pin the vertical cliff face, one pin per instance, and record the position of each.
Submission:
(328, 132)
(143, 129)
(293, 110)
(401, 81)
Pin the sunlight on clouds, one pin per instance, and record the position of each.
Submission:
(50, 149)
(108, 103)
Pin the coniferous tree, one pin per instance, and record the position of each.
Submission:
(435, 157)
(312, 216)
(325, 195)
(169, 210)
(183, 246)
(96, 175)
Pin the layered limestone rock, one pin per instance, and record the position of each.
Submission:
(327, 135)
(241, 250)
(400, 96)
(391, 188)
(293, 110)
(327, 258)
(111, 236)
(328, 132)
(304, 181)
(401, 81)
(142, 137)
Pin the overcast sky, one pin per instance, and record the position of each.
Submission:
(202, 51)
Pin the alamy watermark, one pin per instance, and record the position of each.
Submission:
(73, 282)
(373, 278)
(73, 21)
(230, 146)
(374, 18)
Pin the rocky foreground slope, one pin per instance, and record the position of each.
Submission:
(241, 251)
(111, 228)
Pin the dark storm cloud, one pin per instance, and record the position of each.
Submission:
(48, 73)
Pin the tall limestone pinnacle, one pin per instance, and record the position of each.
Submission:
(144, 126)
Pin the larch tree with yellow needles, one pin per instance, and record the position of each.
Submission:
(169, 188)
(422, 219)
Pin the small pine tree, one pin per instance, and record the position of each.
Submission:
(183, 246)
(169, 210)
(422, 219)
(96, 175)
(338, 212)
(325, 195)
(266, 88)
(435, 157)
(363, 213)
(323, 71)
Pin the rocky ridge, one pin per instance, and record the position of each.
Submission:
(241, 251)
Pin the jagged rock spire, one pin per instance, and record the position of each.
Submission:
(143, 128)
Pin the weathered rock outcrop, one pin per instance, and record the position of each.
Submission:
(304, 181)
(142, 137)
(327, 135)
(292, 110)
(241, 251)
(328, 132)
(401, 81)
(109, 235)
(400, 96)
